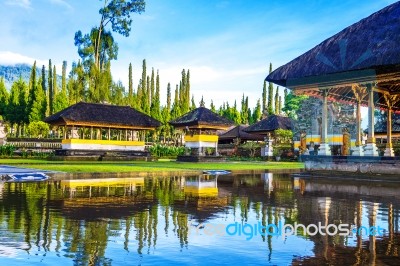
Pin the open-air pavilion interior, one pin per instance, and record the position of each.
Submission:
(359, 66)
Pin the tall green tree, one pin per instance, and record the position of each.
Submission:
(16, 109)
(264, 97)
(276, 100)
(130, 86)
(117, 14)
(270, 93)
(257, 112)
(155, 103)
(292, 104)
(212, 107)
(64, 76)
(50, 87)
(4, 97)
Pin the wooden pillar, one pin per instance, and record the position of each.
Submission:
(390, 101)
(126, 134)
(359, 93)
(91, 132)
(324, 148)
(109, 133)
(370, 148)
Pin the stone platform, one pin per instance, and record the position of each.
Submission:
(100, 155)
(352, 164)
(195, 158)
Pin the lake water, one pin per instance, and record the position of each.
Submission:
(199, 220)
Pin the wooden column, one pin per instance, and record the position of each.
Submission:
(390, 101)
(370, 148)
(359, 93)
(324, 148)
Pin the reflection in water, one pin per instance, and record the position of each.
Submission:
(119, 221)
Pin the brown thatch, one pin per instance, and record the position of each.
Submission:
(271, 123)
(370, 44)
(238, 132)
(102, 114)
(201, 117)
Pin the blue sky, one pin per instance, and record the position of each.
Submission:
(227, 45)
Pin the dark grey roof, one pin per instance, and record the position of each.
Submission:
(270, 124)
(238, 132)
(103, 114)
(201, 116)
(370, 44)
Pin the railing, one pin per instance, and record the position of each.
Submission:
(46, 144)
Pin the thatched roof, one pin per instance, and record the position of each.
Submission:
(370, 44)
(201, 117)
(238, 132)
(102, 115)
(270, 124)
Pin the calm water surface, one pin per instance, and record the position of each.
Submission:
(183, 220)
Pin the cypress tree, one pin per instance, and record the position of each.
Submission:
(64, 76)
(264, 97)
(50, 87)
(212, 107)
(155, 104)
(44, 79)
(144, 85)
(55, 86)
(169, 97)
(257, 112)
(280, 104)
(193, 105)
(130, 89)
(270, 93)
(277, 101)
(152, 87)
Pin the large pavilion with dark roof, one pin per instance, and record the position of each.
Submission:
(200, 126)
(359, 65)
(92, 126)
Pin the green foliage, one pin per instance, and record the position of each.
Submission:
(38, 129)
(270, 94)
(7, 150)
(283, 136)
(3, 97)
(251, 146)
(293, 104)
(160, 150)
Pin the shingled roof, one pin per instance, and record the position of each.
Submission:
(238, 132)
(201, 117)
(370, 44)
(102, 115)
(271, 123)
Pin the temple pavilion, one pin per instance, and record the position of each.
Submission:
(200, 126)
(360, 66)
(92, 126)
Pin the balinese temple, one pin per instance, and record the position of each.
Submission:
(103, 127)
(359, 66)
(200, 126)
(237, 133)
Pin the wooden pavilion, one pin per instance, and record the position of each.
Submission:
(266, 128)
(359, 65)
(200, 126)
(238, 133)
(92, 126)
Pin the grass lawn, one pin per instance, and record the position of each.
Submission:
(139, 166)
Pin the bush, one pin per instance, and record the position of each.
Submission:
(38, 129)
(160, 150)
(7, 150)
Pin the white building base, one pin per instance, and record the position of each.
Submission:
(324, 149)
(371, 150)
(389, 152)
(358, 151)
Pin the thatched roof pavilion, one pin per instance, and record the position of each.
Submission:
(92, 126)
(201, 118)
(270, 124)
(239, 133)
(359, 65)
(103, 115)
(200, 126)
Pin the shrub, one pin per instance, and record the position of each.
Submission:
(38, 129)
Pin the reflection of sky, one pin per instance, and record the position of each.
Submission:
(201, 248)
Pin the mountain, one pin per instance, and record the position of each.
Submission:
(13, 72)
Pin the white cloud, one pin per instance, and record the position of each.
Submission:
(21, 3)
(61, 3)
(10, 58)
